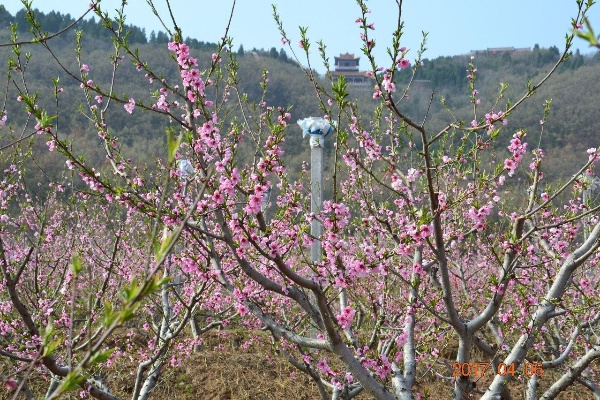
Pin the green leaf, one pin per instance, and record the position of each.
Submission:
(76, 265)
(48, 342)
(343, 136)
(101, 357)
(71, 382)
(130, 292)
(50, 347)
(589, 35)
(340, 90)
(127, 314)
(47, 333)
(157, 283)
(109, 314)
(173, 142)
(44, 120)
(165, 243)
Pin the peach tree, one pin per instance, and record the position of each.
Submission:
(444, 253)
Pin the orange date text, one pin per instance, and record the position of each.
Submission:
(477, 370)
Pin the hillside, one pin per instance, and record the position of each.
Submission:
(570, 128)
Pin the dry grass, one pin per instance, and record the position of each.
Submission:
(258, 373)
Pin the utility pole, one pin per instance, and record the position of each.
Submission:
(318, 129)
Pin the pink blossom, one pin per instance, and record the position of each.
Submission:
(254, 203)
(412, 174)
(518, 148)
(404, 63)
(593, 154)
(345, 317)
(242, 309)
(384, 367)
(217, 197)
(500, 289)
(130, 105)
(510, 165)
(584, 283)
(376, 93)
(173, 46)
(162, 103)
(10, 384)
(324, 367)
(191, 95)
(479, 215)
(387, 84)
(504, 317)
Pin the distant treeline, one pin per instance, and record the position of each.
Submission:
(54, 22)
(450, 71)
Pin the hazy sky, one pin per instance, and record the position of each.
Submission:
(454, 26)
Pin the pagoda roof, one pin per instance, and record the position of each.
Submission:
(347, 56)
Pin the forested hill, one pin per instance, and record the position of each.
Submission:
(570, 129)
(55, 22)
(574, 91)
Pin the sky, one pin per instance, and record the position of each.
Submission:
(454, 26)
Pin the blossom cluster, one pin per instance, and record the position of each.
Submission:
(518, 148)
(479, 215)
(345, 317)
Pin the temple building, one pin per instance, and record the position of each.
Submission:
(347, 65)
(502, 50)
